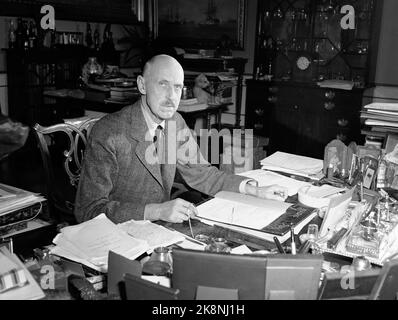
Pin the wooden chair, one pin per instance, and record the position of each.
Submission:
(62, 148)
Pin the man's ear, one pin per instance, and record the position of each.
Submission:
(141, 84)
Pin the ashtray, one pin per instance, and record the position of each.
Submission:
(202, 238)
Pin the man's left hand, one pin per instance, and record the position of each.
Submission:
(273, 192)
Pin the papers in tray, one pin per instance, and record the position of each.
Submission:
(267, 178)
(246, 214)
(294, 164)
(153, 234)
(90, 242)
(12, 199)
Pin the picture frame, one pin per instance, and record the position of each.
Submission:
(199, 24)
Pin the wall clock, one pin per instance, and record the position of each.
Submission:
(303, 63)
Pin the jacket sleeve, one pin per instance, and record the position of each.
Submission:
(197, 172)
(98, 176)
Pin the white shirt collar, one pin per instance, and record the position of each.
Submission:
(151, 124)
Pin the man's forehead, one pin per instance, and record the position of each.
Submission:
(170, 75)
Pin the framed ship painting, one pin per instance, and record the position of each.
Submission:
(199, 24)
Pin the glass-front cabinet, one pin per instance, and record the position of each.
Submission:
(312, 40)
(311, 67)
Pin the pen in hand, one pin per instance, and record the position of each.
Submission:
(293, 242)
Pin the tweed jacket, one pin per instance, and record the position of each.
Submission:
(117, 179)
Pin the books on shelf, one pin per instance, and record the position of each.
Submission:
(382, 106)
(379, 118)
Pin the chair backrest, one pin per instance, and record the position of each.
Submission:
(62, 148)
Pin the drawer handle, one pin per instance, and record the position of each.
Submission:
(330, 94)
(259, 111)
(341, 136)
(272, 99)
(343, 122)
(329, 105)
(273, 89)
(258, 126)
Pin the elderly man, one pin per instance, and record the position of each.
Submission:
(120, 175)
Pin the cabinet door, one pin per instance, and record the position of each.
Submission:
(258, 107)
(285, 127)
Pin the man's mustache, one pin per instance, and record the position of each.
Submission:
(168, 104)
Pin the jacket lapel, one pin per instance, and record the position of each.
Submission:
(145, 148)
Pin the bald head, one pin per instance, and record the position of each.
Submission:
(161, 85)
(161, 61)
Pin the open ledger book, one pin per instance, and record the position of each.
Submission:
(260, 218)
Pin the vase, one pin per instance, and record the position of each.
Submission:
(91, 69)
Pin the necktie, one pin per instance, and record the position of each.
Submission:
(158, 140)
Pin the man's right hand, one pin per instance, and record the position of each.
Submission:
(175, 211)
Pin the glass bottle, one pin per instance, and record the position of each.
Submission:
(89, 39)
(218, 245)
(160, 262)
(11, 35)
(26, 33)
(32, 34)
(96, 39)
(19, 34)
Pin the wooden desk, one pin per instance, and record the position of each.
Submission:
(192, 112)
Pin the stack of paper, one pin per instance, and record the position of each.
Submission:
(153, 234)
(381, 117)
(267, 178)
(16, 282)
(90, 242)
(293, 164)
